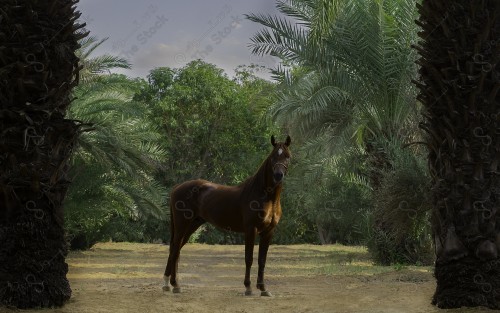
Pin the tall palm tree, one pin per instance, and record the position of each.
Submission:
(38, 70)
(459, 84)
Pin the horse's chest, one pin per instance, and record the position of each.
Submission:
(268, 215)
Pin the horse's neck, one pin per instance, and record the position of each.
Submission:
(262, 184)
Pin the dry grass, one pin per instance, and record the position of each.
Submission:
(127, 277)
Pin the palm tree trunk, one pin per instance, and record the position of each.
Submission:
(38, 69)
(459, 84)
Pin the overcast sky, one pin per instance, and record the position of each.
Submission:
(153, 33)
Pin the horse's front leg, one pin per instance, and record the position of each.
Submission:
(265, 240)
(249, 243)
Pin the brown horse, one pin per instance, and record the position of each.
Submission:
(253, 207)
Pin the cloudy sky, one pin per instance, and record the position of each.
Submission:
(152, 33)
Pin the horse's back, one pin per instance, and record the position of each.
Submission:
(190, 184)
(188, 191)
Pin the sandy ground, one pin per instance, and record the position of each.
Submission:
(125, 277)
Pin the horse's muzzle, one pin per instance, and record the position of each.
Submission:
(278, 177)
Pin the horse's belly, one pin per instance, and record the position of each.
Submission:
(224, 217)
(236, 227)
(224, 221)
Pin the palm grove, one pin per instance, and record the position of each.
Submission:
(356, 78)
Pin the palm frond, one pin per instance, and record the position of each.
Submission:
(299, 10)
(281, 38)
(95, 66)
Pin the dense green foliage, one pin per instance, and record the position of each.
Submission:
(401, 210)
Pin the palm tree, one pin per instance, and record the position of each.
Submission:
(38, 70)
(346, 79)
(117, 157)
(459, 53)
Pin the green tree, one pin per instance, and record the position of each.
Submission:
(459, 54)
(258, 93)
(114, 165)
(211, 125)
(215, 129)
(38, 70)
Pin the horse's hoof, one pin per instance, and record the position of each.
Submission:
(165, 288)
(176, 290)
(248, 292)
(266, 294)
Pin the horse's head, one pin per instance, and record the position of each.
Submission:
(279, 158)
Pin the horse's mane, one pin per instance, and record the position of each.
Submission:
(257, 180)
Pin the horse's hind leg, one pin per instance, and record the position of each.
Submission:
(173, 260)
(168, 269)
(178, 224)
(195, 224)
(184, 222)
(166, 275)
(181, 237)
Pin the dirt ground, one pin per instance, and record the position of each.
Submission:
(126, 277)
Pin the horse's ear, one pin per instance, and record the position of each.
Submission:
(273, 140)
(288, 141)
